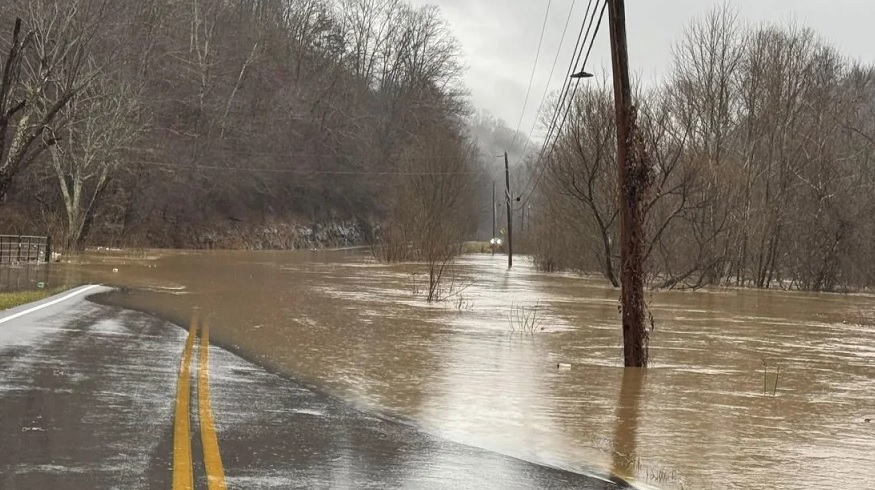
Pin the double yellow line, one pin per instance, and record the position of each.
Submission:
(183, 474)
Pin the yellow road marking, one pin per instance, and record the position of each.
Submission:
(183, 476)
(212, 457)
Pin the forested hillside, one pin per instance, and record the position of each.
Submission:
(223, 123)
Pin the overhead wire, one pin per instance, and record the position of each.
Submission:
(294, 170)
(272, 154)
(577, 81)
(543, 157)
(563, 92)
(534, 70)
(582, 36)
(550, 76)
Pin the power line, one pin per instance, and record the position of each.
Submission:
(575, 59)
(296, 171)
(542, 157)
(289, 155)
(534, 70)
(582, 37)
(550, 76)
(563, 92)
(577, 82)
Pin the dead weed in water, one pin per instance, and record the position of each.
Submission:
(863, 318)
(450, 293)
(525, 319)
(776, 376)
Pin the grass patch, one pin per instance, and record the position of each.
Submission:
(18, 298)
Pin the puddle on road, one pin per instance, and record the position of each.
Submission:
(696, 419)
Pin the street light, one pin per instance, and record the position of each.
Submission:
(582, 74)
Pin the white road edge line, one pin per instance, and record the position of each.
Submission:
(46, 305)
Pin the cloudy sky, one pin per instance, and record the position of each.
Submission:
(500, 37)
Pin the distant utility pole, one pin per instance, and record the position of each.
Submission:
(632, 183)
(523, 220)
(493, 211)
(509, 214)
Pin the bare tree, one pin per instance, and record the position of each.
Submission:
(10, 108)
(103, 124)
(761, 147)
(583, 169)
(435, 193)
(44, 71)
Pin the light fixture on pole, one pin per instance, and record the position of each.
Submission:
(582, 74)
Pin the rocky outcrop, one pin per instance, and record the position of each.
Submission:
(285, 236)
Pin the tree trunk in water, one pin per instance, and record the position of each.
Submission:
(609, 263)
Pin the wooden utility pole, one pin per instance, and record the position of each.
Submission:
(509, 214)
(631, 185)
(523, 220)
(493, 211)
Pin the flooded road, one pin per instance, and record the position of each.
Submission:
(747, 389)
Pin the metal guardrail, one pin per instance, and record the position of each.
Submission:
(24, 249)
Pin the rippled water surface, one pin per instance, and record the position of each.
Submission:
(698, 418)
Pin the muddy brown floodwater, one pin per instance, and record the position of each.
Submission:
(698, 418)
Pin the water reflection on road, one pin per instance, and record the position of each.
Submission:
(698, 418)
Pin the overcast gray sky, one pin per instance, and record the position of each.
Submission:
(500, 37)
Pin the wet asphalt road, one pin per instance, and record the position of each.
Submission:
(88, 396)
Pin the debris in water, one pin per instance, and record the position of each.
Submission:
(563, 365)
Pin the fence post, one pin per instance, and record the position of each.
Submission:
(48, 249)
